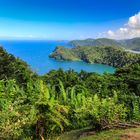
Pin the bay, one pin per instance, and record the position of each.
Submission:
(36, 54)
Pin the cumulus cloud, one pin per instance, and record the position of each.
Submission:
(129, 30)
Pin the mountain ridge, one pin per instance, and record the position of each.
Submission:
(132, 44)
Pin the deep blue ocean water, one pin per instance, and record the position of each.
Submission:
(35, 53)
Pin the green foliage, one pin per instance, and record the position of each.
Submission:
(50, 112)
(131, 76)
(20, 111)
(103, 112)
(63, 92)
(15, 116)
(33, 107)
(136, 109)
(14, 68)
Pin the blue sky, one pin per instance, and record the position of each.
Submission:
(63, 19)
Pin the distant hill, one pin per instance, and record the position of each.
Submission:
(133, 44)
(95, 42)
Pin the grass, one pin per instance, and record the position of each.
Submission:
(72, 135)
(114, 134)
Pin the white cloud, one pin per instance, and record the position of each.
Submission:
(129, 30)
(134, 21)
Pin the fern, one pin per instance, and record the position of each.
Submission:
(63, 92)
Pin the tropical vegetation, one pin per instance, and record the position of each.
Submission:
(44, 107)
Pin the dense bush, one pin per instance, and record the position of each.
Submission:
(14, 68)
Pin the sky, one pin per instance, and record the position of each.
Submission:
(69, 19)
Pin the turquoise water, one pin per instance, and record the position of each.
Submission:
(35, 53)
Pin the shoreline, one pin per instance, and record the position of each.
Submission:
(132, 51)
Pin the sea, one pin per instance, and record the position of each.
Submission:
(36, 54)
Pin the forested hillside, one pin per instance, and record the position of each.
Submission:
(132, 44)
(96, 42)
(14, 68)
(113, 56)
(34, 107)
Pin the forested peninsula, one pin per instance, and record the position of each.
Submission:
(110, 55)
